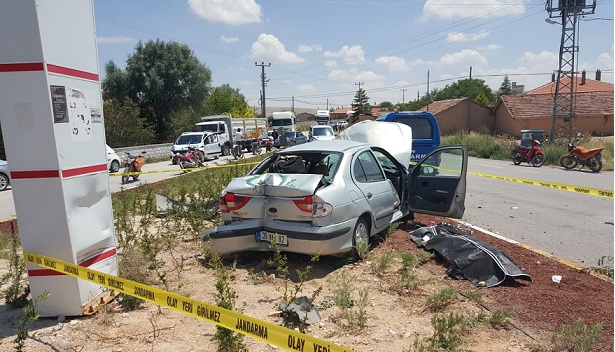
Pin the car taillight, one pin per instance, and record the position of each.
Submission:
(305, 204)
(231, 201)
(309, 205)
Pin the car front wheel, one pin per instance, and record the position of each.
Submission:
(360, 239)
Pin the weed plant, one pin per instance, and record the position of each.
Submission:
(577, 337)
(441, 299)
(344, 286)
(474, 296)
(30, 315)
(501, 318)
(353, 308)
(448, 332)
(292, 290)
(17, 291)
(226, 339)
(382, 263)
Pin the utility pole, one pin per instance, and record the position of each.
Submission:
(263, 76)
(359, 91)
(403, 96)
(565, 86)
(428, 94)
(470, 98)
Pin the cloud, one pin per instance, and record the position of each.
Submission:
(466, 57)
(115, 40)
(304, 48)
(269, 48)
(229, 39)
(460, 37)
(393, 63)
(355, 75)
(351, 55)
(448, 10)
(489, 47)
(306, 88)
(331, 63)
(542, 58)
(236, 12)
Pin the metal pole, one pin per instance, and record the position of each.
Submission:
(263, 76)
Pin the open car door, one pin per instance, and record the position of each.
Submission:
(439, 189)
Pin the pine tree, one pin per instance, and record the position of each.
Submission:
(505, 87)
(360, 104)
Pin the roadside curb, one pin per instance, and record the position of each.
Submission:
(535, 250)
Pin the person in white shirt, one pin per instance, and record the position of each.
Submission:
(238, 136)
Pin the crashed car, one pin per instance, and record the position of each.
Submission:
(328, 197)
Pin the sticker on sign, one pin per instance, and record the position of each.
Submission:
(264, 236)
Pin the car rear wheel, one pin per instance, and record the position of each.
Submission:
(360, 239)
(4, 182)
(115, 166)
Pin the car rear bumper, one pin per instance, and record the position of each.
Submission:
(302, 238)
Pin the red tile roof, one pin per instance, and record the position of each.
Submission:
(441, 105)
(589, 86)
(527, 106)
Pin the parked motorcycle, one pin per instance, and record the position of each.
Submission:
(193, 158)
(579, 156)
(133, 163)
(532, 155)
(269, 144)
(256, 147)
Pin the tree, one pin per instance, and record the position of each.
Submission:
(115, 84)
(226, 100)
(360, 104)
(505, 87)
(124, 126)
(163, 79)
(387, 105)
(464, 88)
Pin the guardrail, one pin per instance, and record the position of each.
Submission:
(153, 150)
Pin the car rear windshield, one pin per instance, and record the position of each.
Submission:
(421, 128)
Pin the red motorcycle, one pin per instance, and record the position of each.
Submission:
(132, 166)
(193, 158)
(579, 156)
(532, 155)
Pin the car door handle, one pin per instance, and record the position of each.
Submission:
(369, 195)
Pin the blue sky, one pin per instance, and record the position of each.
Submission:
(320, 50)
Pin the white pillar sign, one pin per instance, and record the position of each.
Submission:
(53, 128)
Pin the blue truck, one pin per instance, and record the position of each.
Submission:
(425, 131)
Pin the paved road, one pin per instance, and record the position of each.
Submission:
(576, 227)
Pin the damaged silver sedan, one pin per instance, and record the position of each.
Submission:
(328, 197)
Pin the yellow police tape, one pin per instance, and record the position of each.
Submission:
(179, 170)
(270, 333)
(577, 189)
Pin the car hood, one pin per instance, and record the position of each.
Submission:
(395, 138)
(274, 184)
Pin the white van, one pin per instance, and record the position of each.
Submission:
(208, 143)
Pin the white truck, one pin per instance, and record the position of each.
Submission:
(225, 126)
(284, 119)
(323, 117)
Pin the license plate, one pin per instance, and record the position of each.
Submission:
(264, 236)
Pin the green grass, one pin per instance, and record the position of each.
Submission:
(499, 147)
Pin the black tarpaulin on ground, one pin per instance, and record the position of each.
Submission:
(477, 261)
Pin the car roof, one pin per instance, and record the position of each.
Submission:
(322, 126)
(192, 133)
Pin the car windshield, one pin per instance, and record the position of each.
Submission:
(290, 134)
(189, 139)
(281, 122)
(322, 132)
(206, 128)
